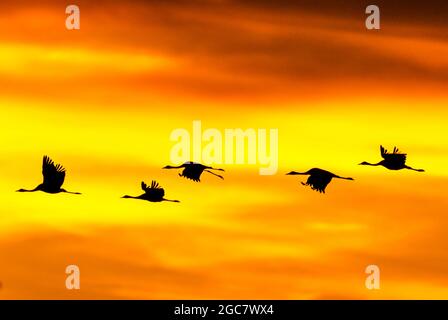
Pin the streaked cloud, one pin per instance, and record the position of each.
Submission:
(103, 101)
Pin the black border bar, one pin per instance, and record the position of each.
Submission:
(225, 309)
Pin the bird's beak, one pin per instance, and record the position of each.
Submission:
(290, 173)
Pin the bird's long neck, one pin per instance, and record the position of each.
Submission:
(33, 190)
(371, 164)
(174, 167)
(129, 197)
(293, 173)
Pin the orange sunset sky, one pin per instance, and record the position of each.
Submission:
(104, 99)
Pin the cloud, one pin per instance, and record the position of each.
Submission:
(237, 50)
(103, 101)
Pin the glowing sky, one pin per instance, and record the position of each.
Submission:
(103, 101)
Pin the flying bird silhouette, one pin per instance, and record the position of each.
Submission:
(193, 170)
(392, 161)
(154, 193)
(318, 179)
(54, 175)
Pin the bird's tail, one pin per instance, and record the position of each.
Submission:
(345, 178)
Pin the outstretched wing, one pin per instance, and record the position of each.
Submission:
(318, 182)
(54, 174)
(154, 190)
(395, 156)
(193, 171)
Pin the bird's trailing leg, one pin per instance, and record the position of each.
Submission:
(63, 190)
(211, 168)
(215, 173)
(419, 170)
(343, 178)
(170, 200)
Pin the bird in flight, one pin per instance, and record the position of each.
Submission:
(392, 161)
(318, 179)
(54, 175)
(154, 193)
(193, 170)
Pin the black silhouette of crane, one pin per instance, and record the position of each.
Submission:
(193, 170)
(318, 179)
(392, 161)
(54, 176)
(154, 193)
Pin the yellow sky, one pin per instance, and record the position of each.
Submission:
(103, 101)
